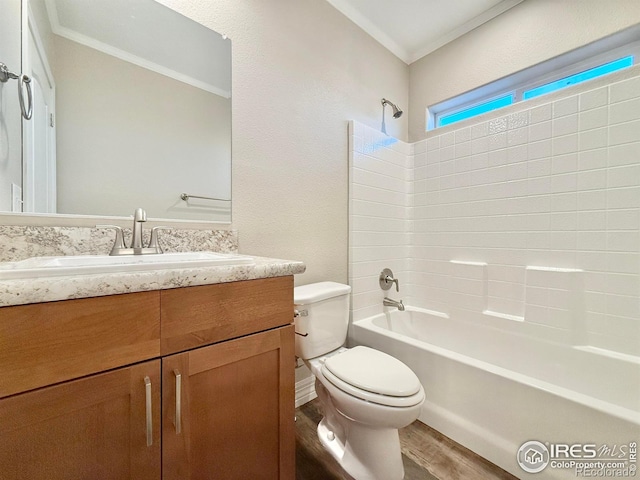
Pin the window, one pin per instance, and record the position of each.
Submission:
(535, 81)
(579, 77)
(475, 110)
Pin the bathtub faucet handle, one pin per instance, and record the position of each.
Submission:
(386, 280)
(393, 280)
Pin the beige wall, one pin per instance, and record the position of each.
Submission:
(300, 71)
(530, 33)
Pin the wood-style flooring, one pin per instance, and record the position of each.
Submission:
(426, 454)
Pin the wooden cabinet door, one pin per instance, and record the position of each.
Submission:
(91, 428)
(228, 410)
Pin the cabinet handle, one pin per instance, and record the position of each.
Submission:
(147, 389)
(178, 422)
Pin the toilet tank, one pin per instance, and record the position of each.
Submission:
(323, 316)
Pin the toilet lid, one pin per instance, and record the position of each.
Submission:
(386, 400)
(373, 371)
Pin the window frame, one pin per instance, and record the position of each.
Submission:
(577, 61)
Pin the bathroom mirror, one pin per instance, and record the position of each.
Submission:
(132, 108)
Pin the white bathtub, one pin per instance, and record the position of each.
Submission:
(493, 390)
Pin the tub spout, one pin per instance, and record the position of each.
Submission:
(387, 302)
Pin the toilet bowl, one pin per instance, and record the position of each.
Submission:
(366, 395)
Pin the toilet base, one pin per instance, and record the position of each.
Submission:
(368, 454)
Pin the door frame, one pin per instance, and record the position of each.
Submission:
(30, 28)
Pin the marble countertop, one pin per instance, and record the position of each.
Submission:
(49, 289)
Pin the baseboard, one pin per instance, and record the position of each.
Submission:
(305, 390)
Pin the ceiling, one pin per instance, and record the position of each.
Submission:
(148, 34)
(413, 28)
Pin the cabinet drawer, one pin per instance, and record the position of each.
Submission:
(47, 343)
(196, 316)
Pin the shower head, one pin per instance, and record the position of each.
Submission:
(397, 113)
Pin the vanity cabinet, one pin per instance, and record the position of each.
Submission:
(97, 427)
(81, 395)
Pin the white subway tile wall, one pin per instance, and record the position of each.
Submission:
(528, 222)
(381, 178)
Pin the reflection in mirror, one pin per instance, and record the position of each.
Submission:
(132, 109)
(10, 134)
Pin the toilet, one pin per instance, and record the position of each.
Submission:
(366, 395)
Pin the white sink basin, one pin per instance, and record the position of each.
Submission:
(87, 264)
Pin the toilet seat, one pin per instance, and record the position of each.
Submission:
(373, 376)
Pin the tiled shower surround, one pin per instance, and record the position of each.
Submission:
(529, 221)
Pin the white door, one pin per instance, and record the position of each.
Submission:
(39, 133)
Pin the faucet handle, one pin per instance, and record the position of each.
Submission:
(386, 280)
(153, 243)
(118, 244)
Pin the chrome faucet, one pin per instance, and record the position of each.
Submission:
(387, 302)
(136, 247)
(139, 217)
